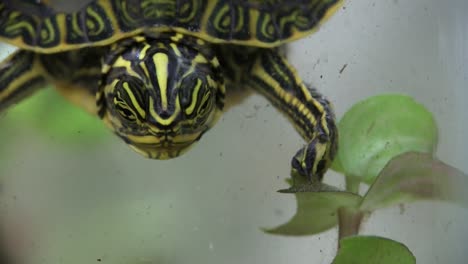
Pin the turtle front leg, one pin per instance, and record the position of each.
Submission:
(309, 111)
(20, 76)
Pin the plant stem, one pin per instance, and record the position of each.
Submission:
(352, 185)
(349, 222)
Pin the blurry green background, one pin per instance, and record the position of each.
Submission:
(74, 193)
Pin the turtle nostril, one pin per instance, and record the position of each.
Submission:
(164, 114)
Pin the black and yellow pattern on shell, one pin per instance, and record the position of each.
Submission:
(269, 23)
(37, 28)
(88, 26)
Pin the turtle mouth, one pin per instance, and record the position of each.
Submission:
(162, 150)
(161, 147)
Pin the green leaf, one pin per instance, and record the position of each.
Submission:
(412, 176)
(300, 184)
(375, 130)
(337, 166)
(316, 212)
(372, 250)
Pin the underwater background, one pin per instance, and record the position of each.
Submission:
(74, 193)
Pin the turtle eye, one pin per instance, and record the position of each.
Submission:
(205, 104)
(128, 101)
(124, 110)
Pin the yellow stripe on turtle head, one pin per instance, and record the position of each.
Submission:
(161, 62)
(143, 51)
(189, 110)
(134, 101)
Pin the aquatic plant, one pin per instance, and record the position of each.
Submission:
(386, 142)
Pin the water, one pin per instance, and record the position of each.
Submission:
(98, 202)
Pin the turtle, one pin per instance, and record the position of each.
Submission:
(159, 73)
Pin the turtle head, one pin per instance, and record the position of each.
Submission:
(160, 95)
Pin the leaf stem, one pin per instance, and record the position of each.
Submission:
(349, 222)
(352, 185)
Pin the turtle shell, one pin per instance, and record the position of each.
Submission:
(36, 25)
